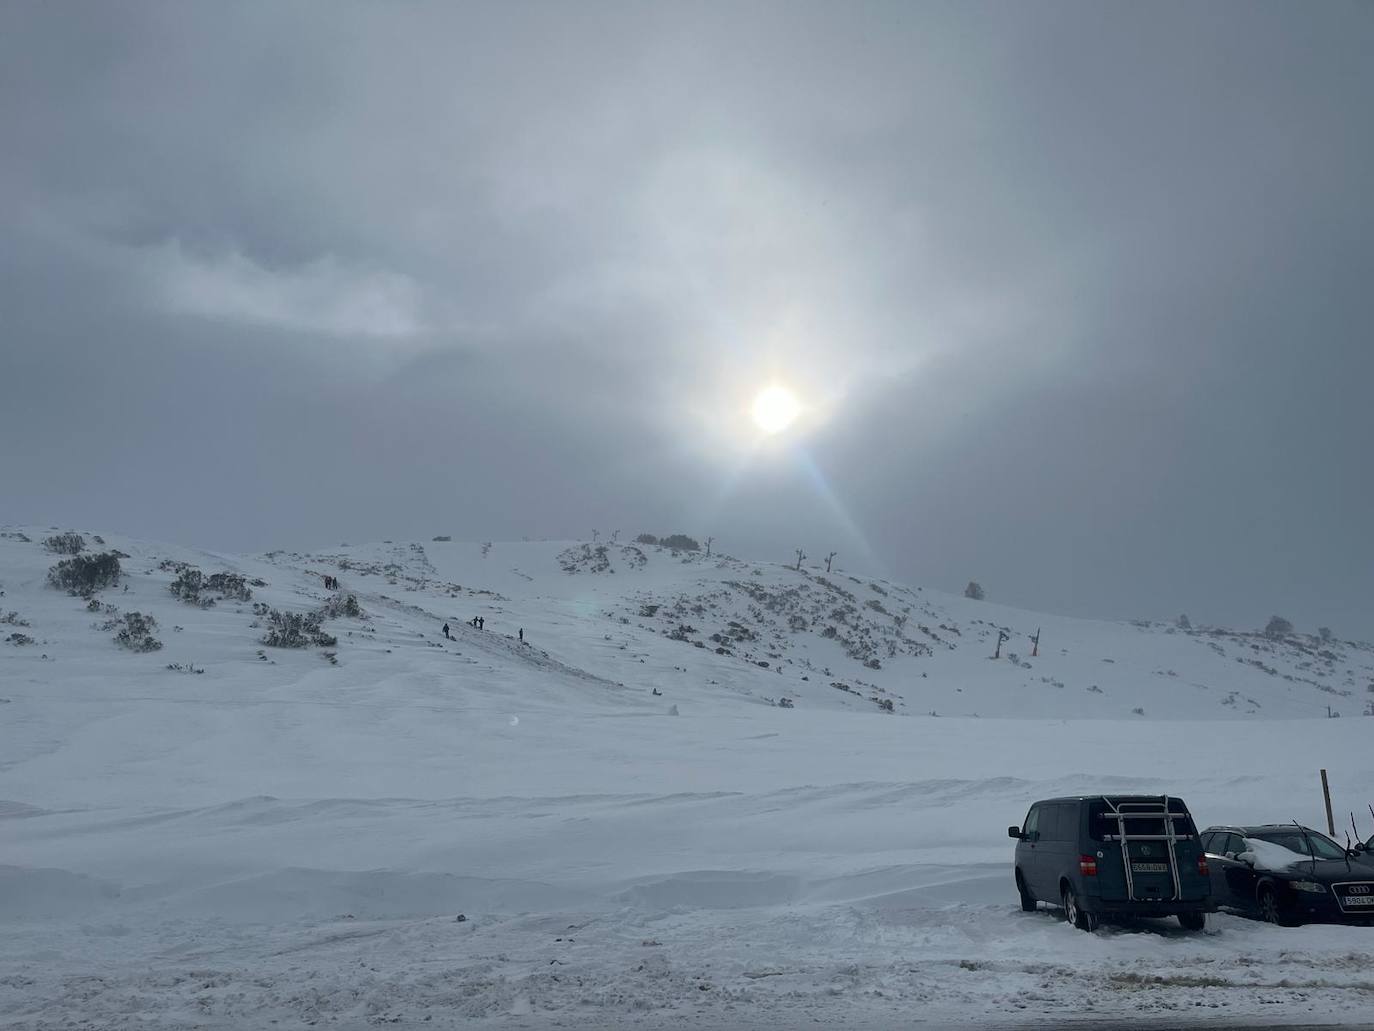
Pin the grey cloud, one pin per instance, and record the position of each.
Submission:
(1082, 287)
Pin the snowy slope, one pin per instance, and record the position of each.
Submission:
(290, 834)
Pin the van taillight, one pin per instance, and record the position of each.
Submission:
(1202, 864)
(1087, 866)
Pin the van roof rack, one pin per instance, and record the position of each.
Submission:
(1154, 808)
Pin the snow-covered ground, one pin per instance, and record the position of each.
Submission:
(290, 836)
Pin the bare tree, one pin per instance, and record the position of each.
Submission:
(829, 559)
(708, 546)
(595, 535)
(800, 555)
(615, 536)
(1002, 635)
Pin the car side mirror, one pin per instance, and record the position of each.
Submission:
(1230, 855)
(1248, 858)
(1014, 832)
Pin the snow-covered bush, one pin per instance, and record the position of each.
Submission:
(296, 630)
(66, 543)
(1278, 627)
(195, 588)
(137, 633)
(18, 639)
(187, 587)
(974, 590)
(85, 574)
(231, 586)
(679, 542)
(339, 606)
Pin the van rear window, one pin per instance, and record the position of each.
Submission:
(1102, 823)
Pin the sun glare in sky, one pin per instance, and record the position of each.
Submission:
(775, 409)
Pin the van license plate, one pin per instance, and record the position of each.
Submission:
(1149, 868)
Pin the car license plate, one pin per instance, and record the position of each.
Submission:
(1149, 868)
(1359, 900)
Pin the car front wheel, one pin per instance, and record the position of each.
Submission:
(1075, 915)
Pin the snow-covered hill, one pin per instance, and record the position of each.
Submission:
(699, 787)
(608, 623)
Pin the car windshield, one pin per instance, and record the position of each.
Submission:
(1295, 841)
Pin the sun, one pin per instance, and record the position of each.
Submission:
(775, 409)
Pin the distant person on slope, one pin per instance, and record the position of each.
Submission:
(446, 637)
(522, 635)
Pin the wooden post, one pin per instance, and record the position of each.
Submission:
(1326, 794)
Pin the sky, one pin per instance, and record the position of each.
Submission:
(1075, 297)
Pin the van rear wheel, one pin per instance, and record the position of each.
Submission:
(1075, 915)
(1027, 899)
(1192, 921)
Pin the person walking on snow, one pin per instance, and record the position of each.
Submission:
(446, 637)
(522, 635)
(481, 622)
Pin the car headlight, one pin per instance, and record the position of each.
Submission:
(1310, 886)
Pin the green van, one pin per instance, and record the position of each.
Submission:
(1113, 855)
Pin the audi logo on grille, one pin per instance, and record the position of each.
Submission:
(1357, 889)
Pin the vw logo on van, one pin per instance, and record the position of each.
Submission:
(1145, 850)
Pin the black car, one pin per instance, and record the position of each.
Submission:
(1289, 875)
(1113, 855)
